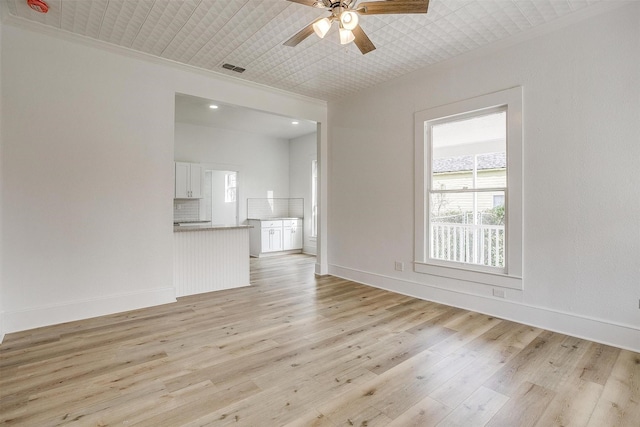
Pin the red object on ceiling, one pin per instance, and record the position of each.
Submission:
(38, 6)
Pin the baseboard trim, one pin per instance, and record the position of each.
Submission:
(21, 320)
(309, 250)
(320, 271)
(602, 331)
(1, 326)
(277, 253)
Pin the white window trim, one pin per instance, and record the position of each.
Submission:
(314, 200)
(511, 275)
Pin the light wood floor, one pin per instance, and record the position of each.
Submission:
(302, 351)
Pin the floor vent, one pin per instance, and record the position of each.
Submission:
(233, 68)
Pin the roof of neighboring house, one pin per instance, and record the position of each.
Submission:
(465, 163)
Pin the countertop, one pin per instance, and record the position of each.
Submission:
(272, 219)
(202, 227)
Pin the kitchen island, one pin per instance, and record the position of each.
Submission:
(210, 258)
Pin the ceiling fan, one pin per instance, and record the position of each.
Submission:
(346, 12)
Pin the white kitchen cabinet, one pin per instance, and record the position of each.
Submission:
(189, 179)
(291, 234)
(271, 239)
(275, 236)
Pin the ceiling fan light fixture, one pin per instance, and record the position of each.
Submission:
(346, 36)
(349, 19)
(321, 27)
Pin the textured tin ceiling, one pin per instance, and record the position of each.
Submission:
(250, 33)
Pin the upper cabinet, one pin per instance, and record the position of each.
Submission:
(189, 180)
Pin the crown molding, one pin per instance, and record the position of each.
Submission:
(59, 33)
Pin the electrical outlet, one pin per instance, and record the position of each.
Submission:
(498, 293)
(399, 265)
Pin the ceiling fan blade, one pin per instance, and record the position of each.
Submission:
(312, 3)
(392, 6)
(362, 40)
(301, 35)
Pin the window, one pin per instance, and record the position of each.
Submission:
(468, 172)
(314, 198)
(230, 187)
(469, 190)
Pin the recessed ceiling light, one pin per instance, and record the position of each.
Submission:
(294, 123)
(213, 106)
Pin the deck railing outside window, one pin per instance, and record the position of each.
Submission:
(468, 243)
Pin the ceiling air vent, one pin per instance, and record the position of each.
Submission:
(233, 68)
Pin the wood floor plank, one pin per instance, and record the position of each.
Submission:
(280, 404)
(526, 363)
(299, 350)
(404, 347)
(462, 385)
(560, 364)
(426, 413)
(468, 328)
(597, 363)
(524, 407)
(619, 403)
(477, 409)
(348, 405)
(312, 418)
(170, 411)
(572, 405)
(495, 348)
(403, 394)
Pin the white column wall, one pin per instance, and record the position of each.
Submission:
(581, 87)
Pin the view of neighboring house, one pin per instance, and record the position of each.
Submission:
(490, 171)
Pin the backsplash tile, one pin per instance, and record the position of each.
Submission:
(275, 208)
(186, 210)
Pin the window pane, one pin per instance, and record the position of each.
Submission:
(470, 153)
(468, 228)
(230, 187)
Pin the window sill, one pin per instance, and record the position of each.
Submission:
(459, 273)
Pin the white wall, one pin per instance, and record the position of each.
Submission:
(262, 162)
(302, 151)
(87, 172)
(1, 206)
(581, 149)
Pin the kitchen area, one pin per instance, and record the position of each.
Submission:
(276, 226)
(243, 188)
